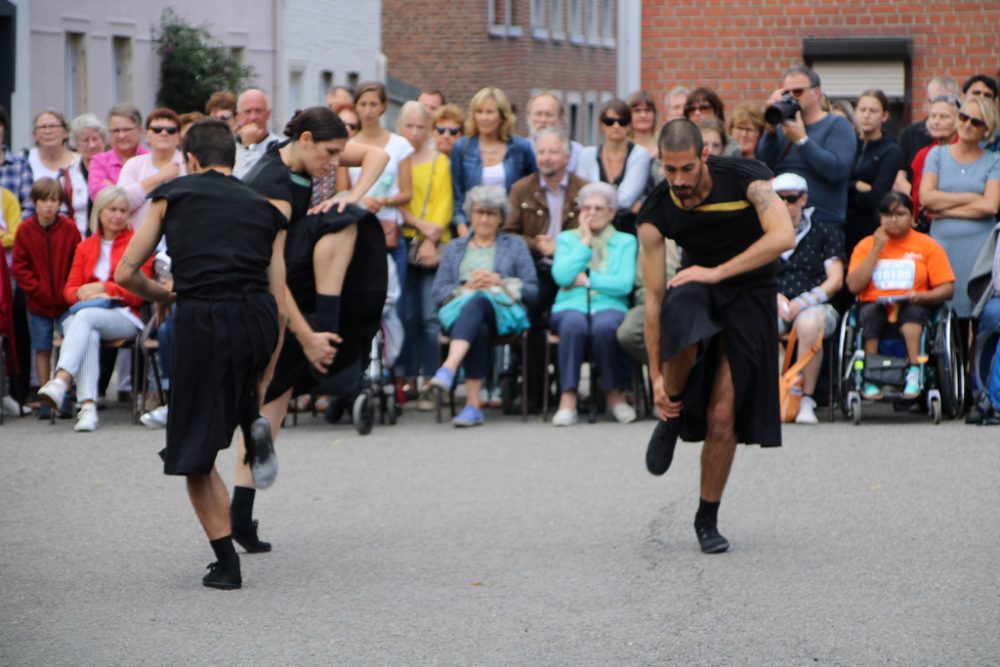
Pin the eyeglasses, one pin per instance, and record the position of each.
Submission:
(797, 92)
(792, 198)
(160, 129)
(223, 116)
(123, 130)
(745, 130)
(703, 107)
(45, 128)
(453, 131)
(636, 110)
(595, 209)
(976, 122)
(620, 122)
(353, 127)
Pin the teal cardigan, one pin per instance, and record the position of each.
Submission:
(609, 290)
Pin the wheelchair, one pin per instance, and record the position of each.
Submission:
(942, 367)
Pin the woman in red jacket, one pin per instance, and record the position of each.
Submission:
(101, 310)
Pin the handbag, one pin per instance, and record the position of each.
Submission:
(882, 370)
(790, 382)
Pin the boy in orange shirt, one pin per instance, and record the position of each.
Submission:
(908, 266)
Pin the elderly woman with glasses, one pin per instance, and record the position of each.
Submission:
(960, 192)
(594, 266)
(618, 162)
(144, 173)
(125, 129)
(52, 158)
(481, 283)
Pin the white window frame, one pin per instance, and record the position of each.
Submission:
(575, 22)
(607, 22)
(121, 69)
(591, 23)
(538, 21)
(500, 19)
(76, 73)
(557, 25)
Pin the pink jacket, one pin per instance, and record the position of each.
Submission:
(104, 170)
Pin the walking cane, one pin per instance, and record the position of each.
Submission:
(592, 407)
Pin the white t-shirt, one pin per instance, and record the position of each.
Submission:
(495, 175)
(102, 270)
(387, 185)
(78, 197)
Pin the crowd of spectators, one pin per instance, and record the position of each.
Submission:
(491, 233)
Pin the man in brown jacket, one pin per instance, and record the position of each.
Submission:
(541, 206)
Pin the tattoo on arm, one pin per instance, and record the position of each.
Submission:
(761, 195)
(135, 266)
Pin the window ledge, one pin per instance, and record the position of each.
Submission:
(539, 33)
(577, 38)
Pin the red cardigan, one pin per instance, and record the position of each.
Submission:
(85, 261)
(41, 262)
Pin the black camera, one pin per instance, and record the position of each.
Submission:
(782, 110)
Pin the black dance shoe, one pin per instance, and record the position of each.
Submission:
(263, 461)
(660, 452)
(227, 580)
(248, 539)
(710, 540)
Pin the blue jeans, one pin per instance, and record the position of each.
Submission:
(476, 324)
(399, 256)
(41, 330)
(571, 327)
(986, 342)
(420, 323)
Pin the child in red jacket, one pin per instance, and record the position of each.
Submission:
(43, 255)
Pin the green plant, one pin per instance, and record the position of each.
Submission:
(193, 65)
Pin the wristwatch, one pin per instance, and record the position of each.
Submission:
(802, 141)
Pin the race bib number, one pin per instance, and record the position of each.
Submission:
(894, 274)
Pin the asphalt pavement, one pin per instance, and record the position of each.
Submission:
(510, 544)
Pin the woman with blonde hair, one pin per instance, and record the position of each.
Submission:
(488, 154)
(425, 225)
(98, 305)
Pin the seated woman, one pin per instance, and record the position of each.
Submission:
(481, 282)
(809, 276)
(114, 314)
(898, 261)
(594, 265)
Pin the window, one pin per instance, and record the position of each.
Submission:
(556, 19)
(352, 80)
(576, 21)
(592, 20)
(538, 23)
(237, 52)
(76, 74)
(501, 19)
(295, 89)
(325, 84)
(607, 21)
(121, 69)
(590, 132)
(574, 121)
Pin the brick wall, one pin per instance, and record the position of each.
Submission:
(445, 44)
(740, 47)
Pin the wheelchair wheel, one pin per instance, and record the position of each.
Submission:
(363, 414)
(950, 366)
(508, 387)
(854, 408)
(846, 352)
(391, 409)
(936, 410)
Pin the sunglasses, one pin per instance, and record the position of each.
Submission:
(976, 122)
(160, 129)
(691, 108)
(791, 199)
(353, 127)
(453, 131)
(797, 92)
(614, 121)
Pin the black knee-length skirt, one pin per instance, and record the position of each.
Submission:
(220, 350)
(361, 302)
(744, 317)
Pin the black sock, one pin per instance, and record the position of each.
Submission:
(708, 513)
(327, 315)
(225, 552)
(241, 509)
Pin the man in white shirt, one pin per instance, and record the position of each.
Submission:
(253, 112)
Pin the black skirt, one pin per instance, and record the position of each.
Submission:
(220, 350)
(361, 301)
(745, 318)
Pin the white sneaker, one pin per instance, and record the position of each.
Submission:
(12, 408)
(624, 413)
(564, 418)
(87, 419)
(155, 418)
(807, 411)
(52, 393)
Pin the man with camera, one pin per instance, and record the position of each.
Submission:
(803, 139)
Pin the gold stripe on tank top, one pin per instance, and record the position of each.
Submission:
(718, 206)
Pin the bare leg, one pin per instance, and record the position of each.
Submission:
(677, 368)
(809, 329)
(911, 336)
(720, 441)
(43, 365)
(211, 503)
(331, 256)
(275, 412)
(871, 346)
(457, 350)
(567, 400)
(614, 397)
(472, 389)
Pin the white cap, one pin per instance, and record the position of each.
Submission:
(789, 182)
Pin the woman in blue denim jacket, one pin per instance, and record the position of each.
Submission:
(481, 283)
(488, 154)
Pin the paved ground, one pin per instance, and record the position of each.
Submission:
(513, 544)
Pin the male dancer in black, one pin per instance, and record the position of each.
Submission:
(225, 242)
(715, 336)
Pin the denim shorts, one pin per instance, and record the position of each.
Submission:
(42, 328)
